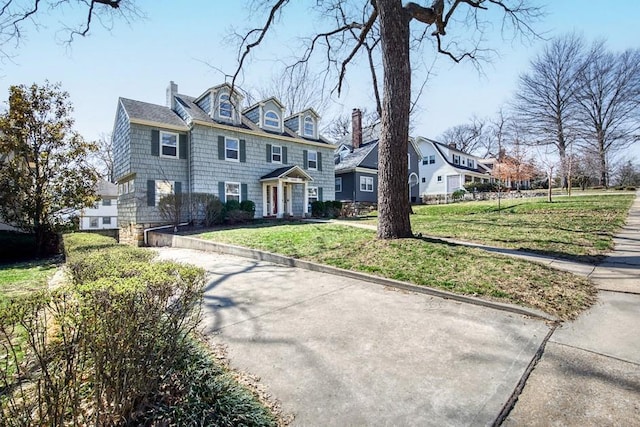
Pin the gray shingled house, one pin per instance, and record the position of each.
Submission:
(356, 165)
(207, 145)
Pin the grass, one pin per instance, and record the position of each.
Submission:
(422, 262)
(25, 277)
(579, 228)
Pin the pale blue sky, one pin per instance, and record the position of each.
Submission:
(137, 60)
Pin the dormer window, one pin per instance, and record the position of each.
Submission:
(272, 119)
(225, 108)
(309, 127)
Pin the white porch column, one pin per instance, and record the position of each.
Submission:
(305, 199)
(290, 202)
(280, 213)
(265, 200)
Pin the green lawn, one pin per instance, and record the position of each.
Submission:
(578, 227)
(422, 262)
(22, 278)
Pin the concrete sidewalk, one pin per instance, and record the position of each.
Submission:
(341, 351)
(589, 374)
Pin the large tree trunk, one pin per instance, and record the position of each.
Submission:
(393, 204)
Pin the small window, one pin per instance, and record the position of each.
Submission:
(276, 154)
(440, 178)
(425, 160)
(366, 183)
(339, 185)
(169, 144)
(432, 159)
(424, 179)
(471, 164)
(106, 220)
(225, 109)
(231, 191)
(312, 192)
(163, 188)
(309, 127)
(231, 149)
(312, 160)
(456, 159)
(131, 187)
(93, 222)
(272, 119)
(106, 202)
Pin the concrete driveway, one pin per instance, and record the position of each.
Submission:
(340, 351)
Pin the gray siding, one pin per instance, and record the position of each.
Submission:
(253, 114)
(205, 103)
(149, 167)
(207, 170)
(121, 144)
(351, 188)
(371, 161)
(347, 187)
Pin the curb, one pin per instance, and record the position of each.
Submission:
(160, 239)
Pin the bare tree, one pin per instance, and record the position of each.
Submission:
(609, 103)
(390, 20)
(102, 159)
(472, 137)
(340, 126)
(545, 102)
(297, 89)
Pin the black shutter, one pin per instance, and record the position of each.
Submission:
(268, 153)
(284, 155)
(177, 188)
(151, 193)
(221, 147)
(221, 195)
(304, 159)
(319, 161)
(155, 142)
(182, 150)
(320, 194)
(244, 192)
(243, 151)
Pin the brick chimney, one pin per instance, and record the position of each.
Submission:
(356, 128)
(172, 91)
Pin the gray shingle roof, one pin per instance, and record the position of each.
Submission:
(357, 156)
(151, 112)
(278, 172)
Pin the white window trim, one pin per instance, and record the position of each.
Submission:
(231, 159)
(226, 183)
(272, 154)
(106, 222)
(177, 145)
(309, 160)
(338, 184)
(230, 117)
(277, 119)
(304, 127)
(97, 222)
(364, 182)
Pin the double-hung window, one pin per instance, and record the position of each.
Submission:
(106, 202)
(225, 109)
(169, 144)
(93, 222)
(106, 220)
(339, 185)
(276, 154)
(231, 191)
(232, 149)
(471, 164)
(309, 127)
(456, 159)
(366, 183)
(163, 188)
(432, 159)
(312, 160)
(312, 193)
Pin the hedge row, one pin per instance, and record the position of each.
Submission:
(115, 347)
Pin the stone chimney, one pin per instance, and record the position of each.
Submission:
(172, 91)
(356, 128)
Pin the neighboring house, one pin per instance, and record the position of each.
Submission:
(445, 169)
(104, 214)
(356, 165)
(207, 145)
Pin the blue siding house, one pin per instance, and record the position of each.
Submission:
(356, 165)
(206, 144)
